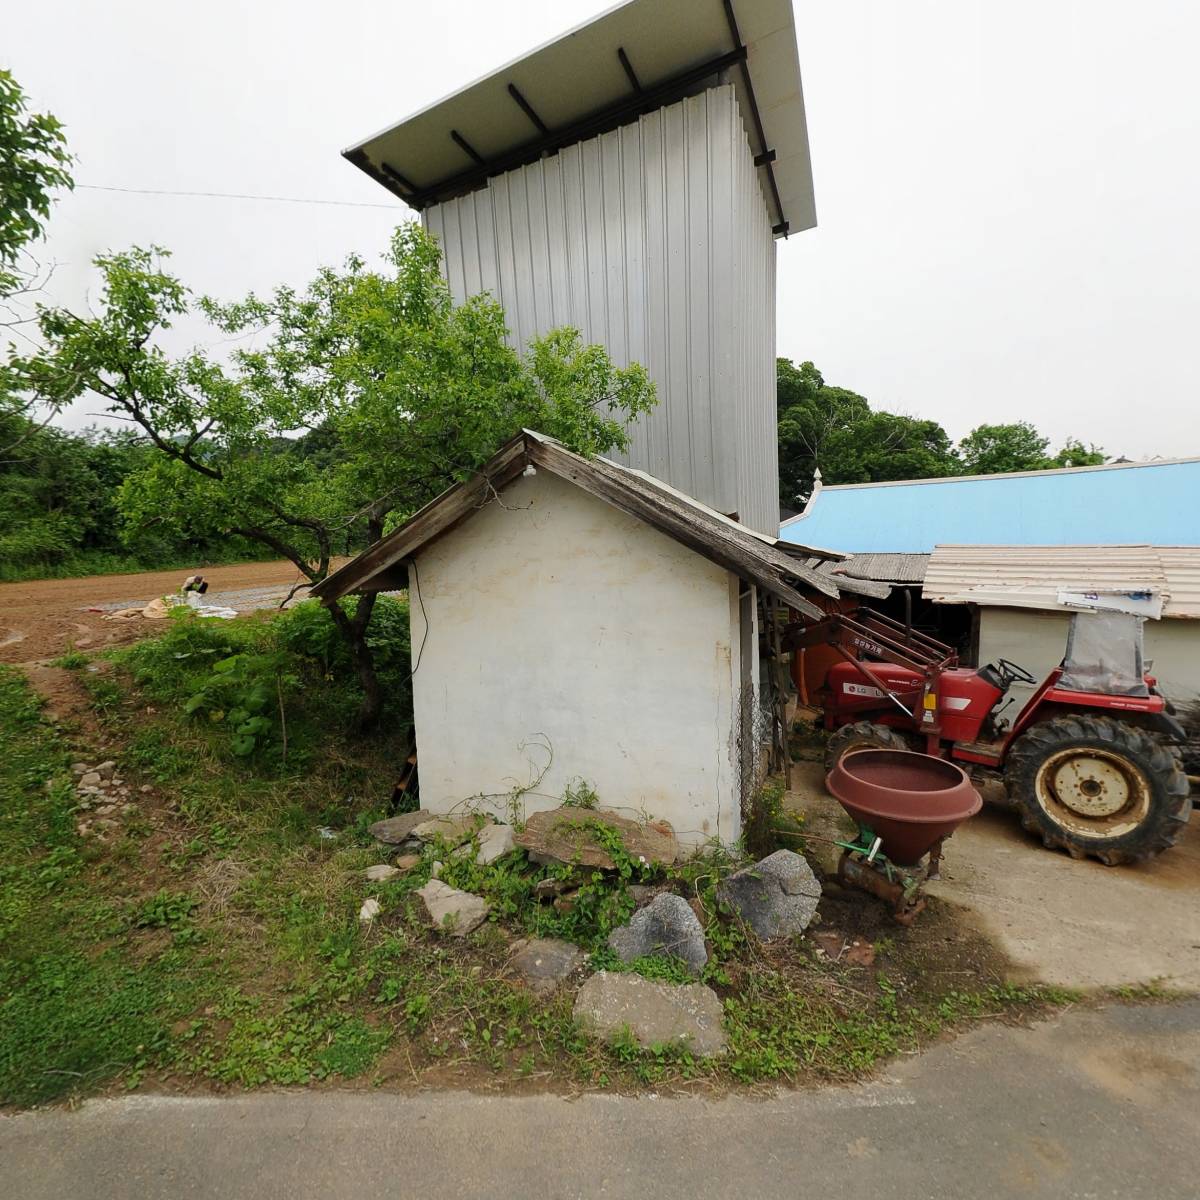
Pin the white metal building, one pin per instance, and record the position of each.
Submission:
(630, 179)
(574, 619)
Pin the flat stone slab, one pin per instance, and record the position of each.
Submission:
(399, 829)
(543, 963)
(776, 897)
(451, 911)
(452, 830)
(381, 873)
(656, 1014)
(666, 926)
(568, 835)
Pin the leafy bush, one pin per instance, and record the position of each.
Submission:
(271, 689)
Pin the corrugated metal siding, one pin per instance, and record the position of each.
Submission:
(653, 240)
(1031, 576)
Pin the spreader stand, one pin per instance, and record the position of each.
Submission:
(862, 866)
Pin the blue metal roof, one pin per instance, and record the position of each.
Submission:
(1154, 503)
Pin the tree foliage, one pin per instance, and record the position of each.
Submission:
(33, 163)
(368, 393)
(991, 449)
(836, 431)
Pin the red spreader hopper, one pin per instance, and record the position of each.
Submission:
(905, 805)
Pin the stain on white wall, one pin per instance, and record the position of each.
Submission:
(563, 639)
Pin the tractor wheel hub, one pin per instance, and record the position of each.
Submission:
(1092, 792)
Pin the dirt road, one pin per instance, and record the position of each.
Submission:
(48, 617)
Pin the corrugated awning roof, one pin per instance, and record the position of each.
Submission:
(751, 556)
(630, 60)
(1033, 576)
(888, 568)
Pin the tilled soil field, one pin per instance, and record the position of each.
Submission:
(49, 617)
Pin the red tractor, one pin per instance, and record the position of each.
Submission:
(1091, 761)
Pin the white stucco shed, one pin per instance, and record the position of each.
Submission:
(574, 620)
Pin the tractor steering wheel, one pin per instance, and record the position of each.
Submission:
(1014, 673)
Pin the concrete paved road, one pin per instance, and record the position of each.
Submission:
(1074, 923)
(1092, 1104)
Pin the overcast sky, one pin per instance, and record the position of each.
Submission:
(1007, 194)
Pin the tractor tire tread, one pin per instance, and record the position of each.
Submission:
(861, 735)
(1170, 806)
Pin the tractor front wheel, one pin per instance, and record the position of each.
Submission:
(865, 735)
(1098, 787)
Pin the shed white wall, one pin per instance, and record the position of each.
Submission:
(1037, 640)
(653, 240)
(554, 617)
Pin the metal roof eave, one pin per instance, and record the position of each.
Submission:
(599, 76)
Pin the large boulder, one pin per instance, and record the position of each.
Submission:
(776, 897)
(573, 836)
(656, 1014)
(452, 911)
(543, 963)
(667, 925)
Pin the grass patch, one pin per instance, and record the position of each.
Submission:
(75, 1009)
(213, 933)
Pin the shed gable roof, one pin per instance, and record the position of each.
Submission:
(638, 56)
(752, 556)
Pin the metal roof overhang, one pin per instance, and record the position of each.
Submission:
(631, 60)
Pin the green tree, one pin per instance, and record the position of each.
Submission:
(396, 394)
(991, 449)
(1075, 454)
(33, 162)
(835, 430)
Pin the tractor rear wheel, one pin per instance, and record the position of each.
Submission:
(1098, 787)
(865, 735)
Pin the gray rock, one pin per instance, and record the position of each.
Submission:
(146, 789)
(667, 925)
(452, 830)
(656, 1014)
(80, 768)
(397, 829)
(776, 897)
(369, 911)
(90, 779)
(569, 835)
(106, 770)
(452, 911)
(543, 963)
(495, 841)
(381, 873)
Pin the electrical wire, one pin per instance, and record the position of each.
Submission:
(96, 187)
(412, 566)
